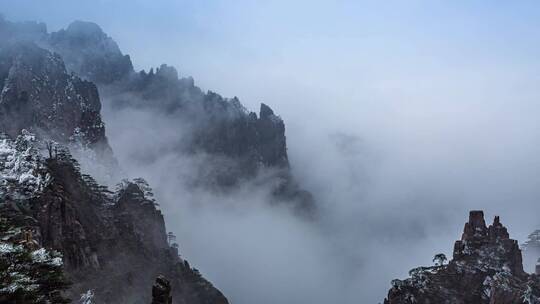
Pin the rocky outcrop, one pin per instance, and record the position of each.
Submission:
(125, 243)
(90, 53)
(40, 96)
(148, 224)
(161, 291)
(113, 244)
(486, 268)
(240, 143)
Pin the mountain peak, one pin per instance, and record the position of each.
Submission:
(486, 268)
(475, 227)
(85, 28)
(39, 95)
(167, 72)
(90, 52)
(265, 111)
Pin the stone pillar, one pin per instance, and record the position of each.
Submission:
(475, 227)
(161, 291)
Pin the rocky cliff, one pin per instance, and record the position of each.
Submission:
(40, 96)
(112, 244)
(240, 143)
(90, 52)
(161, 291)
(63, 235)
(486, 268)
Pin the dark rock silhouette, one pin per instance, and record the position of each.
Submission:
(161, 291)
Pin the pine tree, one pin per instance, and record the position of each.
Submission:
(29, 274)
(146, 189)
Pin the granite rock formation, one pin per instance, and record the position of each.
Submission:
(90, 52)
(239, 142)
(111, 243)
(40, 96)
(101, 245)
(486, 268)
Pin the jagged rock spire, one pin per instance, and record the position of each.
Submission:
(477, 239)
(497, 231)
(265, 111)
(475, 227)
(486, 268)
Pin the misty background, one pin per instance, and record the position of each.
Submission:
(400, 118)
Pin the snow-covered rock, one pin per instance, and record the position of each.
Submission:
(22, 171)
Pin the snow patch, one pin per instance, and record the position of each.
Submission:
(22, 173)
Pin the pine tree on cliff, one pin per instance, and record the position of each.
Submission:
(146, 189)
(29, 274)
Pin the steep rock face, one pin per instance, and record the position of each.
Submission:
(218, 125)
(486, 268)
(147, 222)
(272, 144)
(113, 245)
(240, 143)
(90, 53)
(126, 244)
(38, 95)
